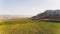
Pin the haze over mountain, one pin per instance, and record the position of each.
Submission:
(14, 16)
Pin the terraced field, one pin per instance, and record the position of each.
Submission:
(29, 27)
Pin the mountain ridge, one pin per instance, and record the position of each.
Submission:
(48, 14)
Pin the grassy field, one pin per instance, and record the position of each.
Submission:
(27, 26)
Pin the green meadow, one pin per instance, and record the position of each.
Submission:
(28, 26)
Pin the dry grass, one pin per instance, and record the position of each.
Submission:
(27, 26)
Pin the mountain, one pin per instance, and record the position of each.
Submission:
(48, 14)
(14, 16)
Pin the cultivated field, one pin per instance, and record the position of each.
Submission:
(28, 26)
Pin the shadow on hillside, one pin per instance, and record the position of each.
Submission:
(50, 21)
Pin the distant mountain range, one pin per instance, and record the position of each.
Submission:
(14, 16)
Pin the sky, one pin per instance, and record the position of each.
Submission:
(27, 7)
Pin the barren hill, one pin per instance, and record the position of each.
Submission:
(48, 14)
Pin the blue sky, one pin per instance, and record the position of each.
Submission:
(27, 7)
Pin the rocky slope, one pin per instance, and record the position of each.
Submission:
(48, 14)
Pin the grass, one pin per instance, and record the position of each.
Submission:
(28, 26)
